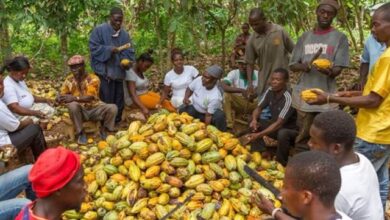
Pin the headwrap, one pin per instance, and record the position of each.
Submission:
(76, 59)
(54, 168)
(215, 71)
(332, 3)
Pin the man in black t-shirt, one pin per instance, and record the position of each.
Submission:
(278, 99)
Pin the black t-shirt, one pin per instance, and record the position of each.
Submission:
(280, 108)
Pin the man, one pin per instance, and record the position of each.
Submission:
(206, 98)
(334, 133)
(240, 43)
(57, 180)
(106, 55)
(311, 183)
(80, 94)
(334, 46)
(373, 126)
(235, 96)
(12, 184)
(278, 99)
(269, 45)
(372, 51)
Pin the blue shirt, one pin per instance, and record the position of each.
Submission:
(372, 51)
(103, 62)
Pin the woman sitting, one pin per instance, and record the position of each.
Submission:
(178, 79)
(17, 96)
(22, 134)
(137, 85)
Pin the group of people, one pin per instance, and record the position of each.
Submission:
(343, 176)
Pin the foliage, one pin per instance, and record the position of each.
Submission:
(50, 30)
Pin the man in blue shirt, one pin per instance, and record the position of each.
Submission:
(106, 55)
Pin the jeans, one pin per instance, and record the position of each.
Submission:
(11, 185)
(111, 92)
(218, 119)
(379, 155)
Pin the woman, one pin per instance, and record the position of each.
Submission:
(17, 96)
(178, 79)
(21, 134)
(137, 85)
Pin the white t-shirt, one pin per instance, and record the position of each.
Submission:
(17, 92)
(179, 83)
(359, 193)
(343, 216)
(235, 79)
(205, 100)
(8, 123)
(141, 84)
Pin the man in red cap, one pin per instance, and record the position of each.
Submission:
(80, 93)
(57, 180)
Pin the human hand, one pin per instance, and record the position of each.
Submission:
(322, 98)
(245, 93)
(186, 101)
(262, 203)
(158, 106)
(248, 138)
(253, 125)
(39, 114)
(326, 71)
(145, 112)
(115, 50)
(66, 98)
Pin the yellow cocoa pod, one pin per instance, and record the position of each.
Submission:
(203, 145)
(152, 183)
(194, 180)
(139, 205)
(217, 186)
(308, 95)
(134, 172)
(155, 159)
(322, 63)
(152, 171)
(133, 128)
(192, 205)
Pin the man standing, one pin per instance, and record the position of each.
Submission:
(322, 42)
(269, 45)
(109, 45)
(80, 94)
(236, 97)
(373, 124)
(240, 44)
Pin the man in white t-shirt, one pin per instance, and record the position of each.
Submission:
(334, 132)
(236, 97)
(206, 98)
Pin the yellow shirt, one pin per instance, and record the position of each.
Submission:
(373, 124)
(88, 87)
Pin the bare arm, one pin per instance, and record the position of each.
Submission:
(271, 128)
(231, 89)
(300, 67)
(207, 119)
(16, 108)
(187, 95)
(249, 72)
(133, 95)
(164, 94)
(364, 67)
(25, 123)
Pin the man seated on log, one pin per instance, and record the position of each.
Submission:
(80, 94)
(206, 98)
(278, 99)
(57, 179)
(311, 184)
(236, 96)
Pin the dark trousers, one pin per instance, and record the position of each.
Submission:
(286, 140)
(218, 119)
(29, 137)
(111, 92)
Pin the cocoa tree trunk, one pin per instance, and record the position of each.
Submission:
(5, 44)
(64, 50)
(223, 46)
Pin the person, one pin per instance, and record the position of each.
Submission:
(22, 134)
(269, 45)
(137, 91)
(12, 183)
(278, 99)
(373, 126)
(371, 52)
(334, 47)
(79, 93)
(17, 95)
(206, 101)
(106, 47)
(178, 79)
(239, 44)
(57, 180)
(310, 186)
(235, 95)
(334, 132)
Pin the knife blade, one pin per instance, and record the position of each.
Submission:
(252, 173)
(177, 207)
(316, 55)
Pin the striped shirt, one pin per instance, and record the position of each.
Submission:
(280, 107)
